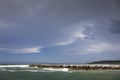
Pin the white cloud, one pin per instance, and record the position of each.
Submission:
(30, 50)
(23, 50)
(93, 48)
(72, 38)
(74, 32)
(101, 47)
(70, 41)
(80, 35)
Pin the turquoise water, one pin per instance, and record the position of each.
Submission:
(40, 74)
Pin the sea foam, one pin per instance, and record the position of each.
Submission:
(14, 66)
(19, 68)
(57, 69)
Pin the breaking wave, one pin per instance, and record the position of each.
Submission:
(26, 68)
(58, 69)
(14, 66)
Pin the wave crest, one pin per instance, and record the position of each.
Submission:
(14, 66)
(57, 69)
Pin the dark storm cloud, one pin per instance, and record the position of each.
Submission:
(57, 9)
(118, 3)
(77, 25)
(40, 22)
(115, 27)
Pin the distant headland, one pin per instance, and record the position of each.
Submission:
(106, 62)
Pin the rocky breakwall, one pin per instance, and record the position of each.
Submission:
(78, 67)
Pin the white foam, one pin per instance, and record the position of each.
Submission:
(19, 68)
(57, 69)
(14, 66)
(28, 70)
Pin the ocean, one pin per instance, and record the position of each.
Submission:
(23, 72)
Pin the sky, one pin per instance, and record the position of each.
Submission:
(59, 31)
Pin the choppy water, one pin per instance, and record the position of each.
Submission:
(26, 73)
